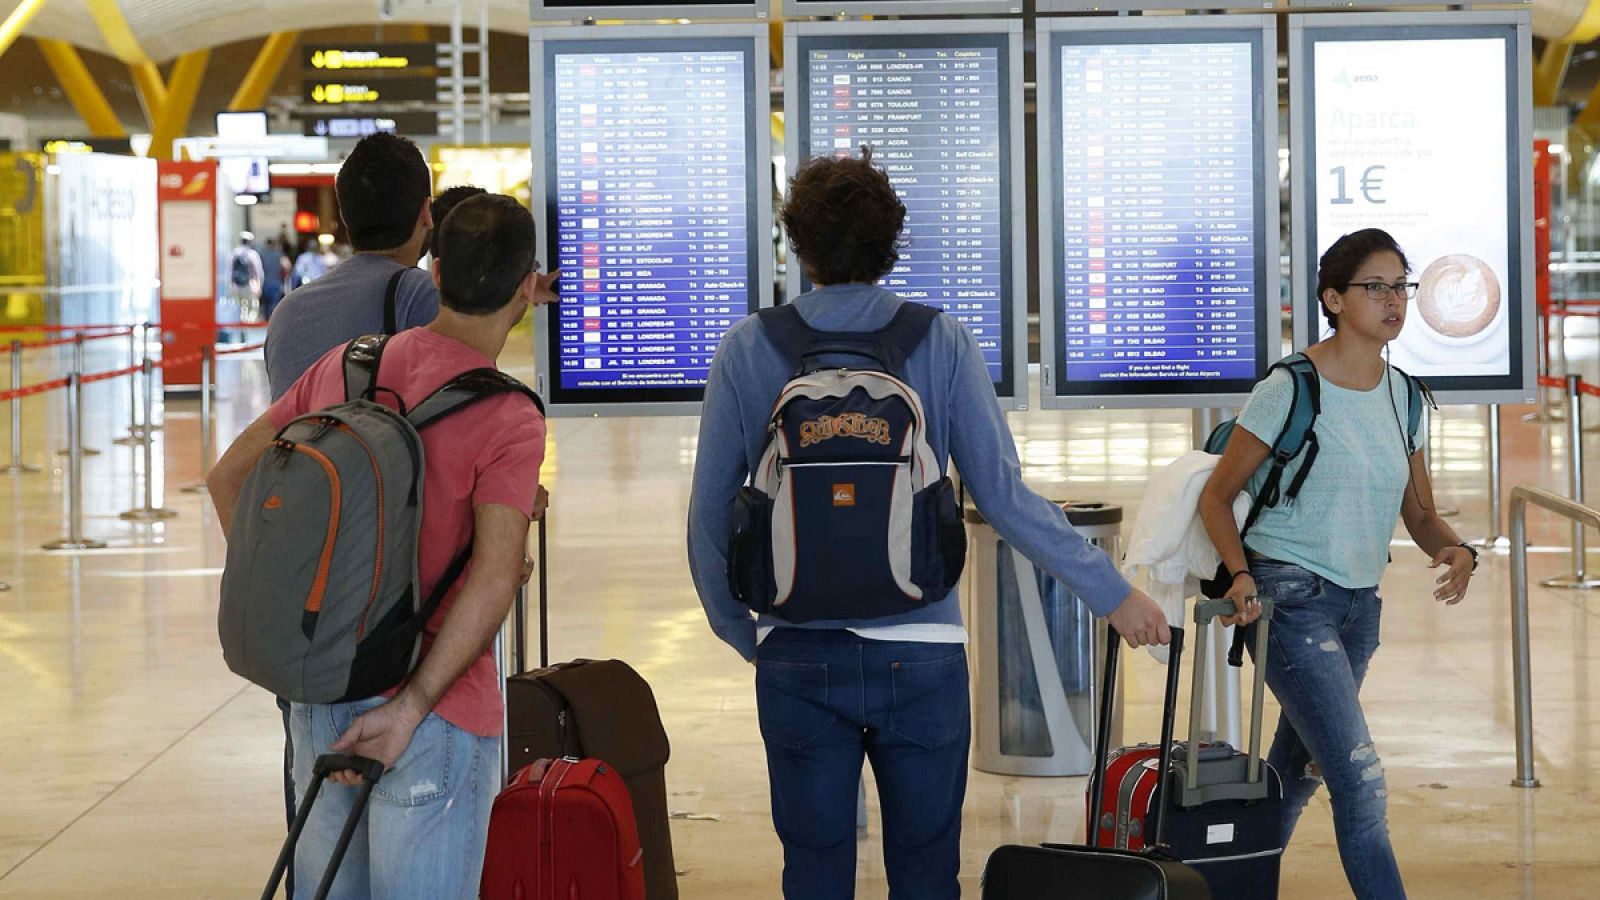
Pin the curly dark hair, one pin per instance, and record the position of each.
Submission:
(844, 220)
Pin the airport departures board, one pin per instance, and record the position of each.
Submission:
(651, 196)
(1159, 283)
(940, 104)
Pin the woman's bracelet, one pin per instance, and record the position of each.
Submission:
(1238, 574)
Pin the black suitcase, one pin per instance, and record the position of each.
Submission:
(371, 770)
(1225, 816)
(1065, 872)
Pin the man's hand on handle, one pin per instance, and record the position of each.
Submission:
(382, 733)
(1140, 620)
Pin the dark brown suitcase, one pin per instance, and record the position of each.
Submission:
(597, 709)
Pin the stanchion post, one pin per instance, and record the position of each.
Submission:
(149, 512)
(207, 374)
(75, 539)
(1492, 537)
(149, 386)
(136, 434)
(78, 370)
(1579, 579)
(17, 467)
(1544, 414)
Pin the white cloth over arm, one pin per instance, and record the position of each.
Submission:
(1169, 540)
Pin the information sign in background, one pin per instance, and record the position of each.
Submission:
(649, 193)
(1415, 130)
(1162, 244)
(934, 110)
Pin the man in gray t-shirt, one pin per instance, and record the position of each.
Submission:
(341, 306)
(384, 189)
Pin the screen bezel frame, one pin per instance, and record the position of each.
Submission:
(1014, 337)
(539, 11)
(644, 401)
(1519, 384)
(819, 8)
(1268, 322)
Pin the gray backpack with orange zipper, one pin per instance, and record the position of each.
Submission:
(321, 601)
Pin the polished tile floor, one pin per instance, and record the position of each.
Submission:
(134, 765)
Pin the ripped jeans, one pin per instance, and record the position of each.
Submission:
(1321, 640)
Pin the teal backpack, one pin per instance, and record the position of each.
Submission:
(1297, 438)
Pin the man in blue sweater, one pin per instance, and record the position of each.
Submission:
(892, 689)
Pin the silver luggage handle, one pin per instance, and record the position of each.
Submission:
(1205, 612)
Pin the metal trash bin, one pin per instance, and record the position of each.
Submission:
(1038, 654)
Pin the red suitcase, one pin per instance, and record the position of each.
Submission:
(569, 835)
(1130, 790)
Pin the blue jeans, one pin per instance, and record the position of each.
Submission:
(425, 828)
(1322, 638)
(825, 700)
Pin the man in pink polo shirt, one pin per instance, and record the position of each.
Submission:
(439, 733)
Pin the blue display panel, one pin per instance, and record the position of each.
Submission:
(1161, 282)
(650, 175)
(935, 109)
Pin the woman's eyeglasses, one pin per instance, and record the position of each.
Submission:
(1378, 290)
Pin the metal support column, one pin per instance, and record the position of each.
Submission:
(181, 93)
(257, 83)
(12, 27)
(80, 88)
(1492, 538)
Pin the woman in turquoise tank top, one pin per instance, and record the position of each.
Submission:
(1321, 557)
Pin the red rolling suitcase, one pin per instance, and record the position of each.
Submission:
(568, 833)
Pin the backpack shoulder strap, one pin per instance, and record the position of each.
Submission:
(1296, 437)
(391, 312)
(1418, 396)
(362, 358)
(889, 346)
(905, 333)
(788, 331)
(466, 389)
(1304, 406)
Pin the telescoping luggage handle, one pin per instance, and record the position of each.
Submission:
(1204, 612)
(370, 770)
(1102, 743)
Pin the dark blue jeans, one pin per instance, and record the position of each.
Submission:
(827, 699)
(1321, 640)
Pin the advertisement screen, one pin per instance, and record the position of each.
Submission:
(1414, 135)
(650, 172)
(935, 111)
(1160, 279)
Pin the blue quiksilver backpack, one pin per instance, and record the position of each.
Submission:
(849, 514)
(1297, 439)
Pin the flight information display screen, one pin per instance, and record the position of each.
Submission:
(935, 109)
(1160, 278)
(650, 175)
